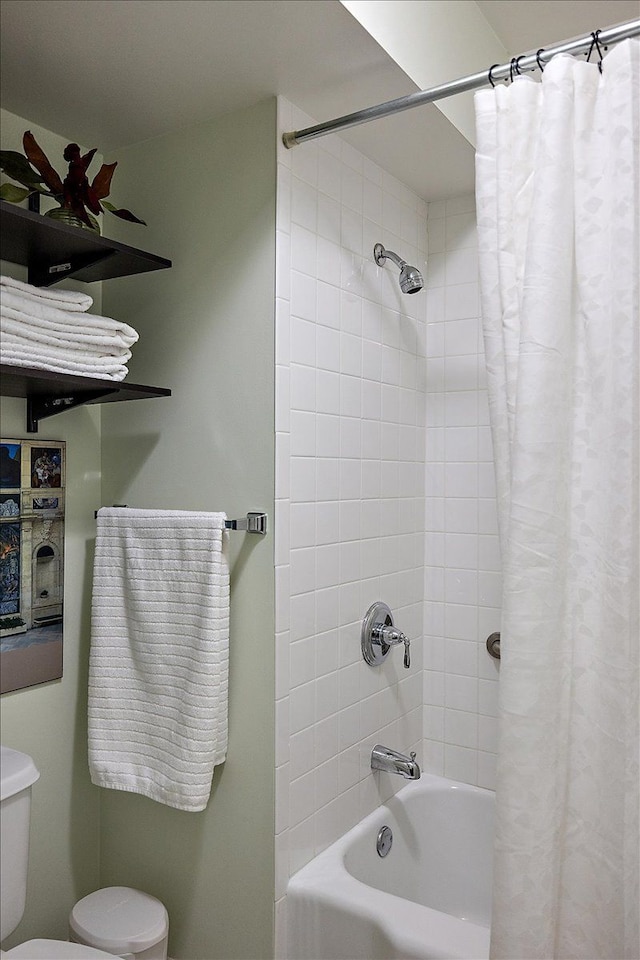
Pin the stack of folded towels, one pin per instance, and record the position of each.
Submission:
(51, 330)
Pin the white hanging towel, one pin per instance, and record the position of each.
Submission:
(158, 670)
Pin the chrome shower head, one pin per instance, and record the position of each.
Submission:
(410, 277)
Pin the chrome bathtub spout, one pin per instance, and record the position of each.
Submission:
(383, 758)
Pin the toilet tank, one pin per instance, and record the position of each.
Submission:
(17, 774)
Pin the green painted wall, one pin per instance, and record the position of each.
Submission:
(206, 331)
(49, 721)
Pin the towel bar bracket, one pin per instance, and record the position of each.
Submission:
(253, 523)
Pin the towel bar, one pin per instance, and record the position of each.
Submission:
(252, 523)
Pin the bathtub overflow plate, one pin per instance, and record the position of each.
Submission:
(384, 841)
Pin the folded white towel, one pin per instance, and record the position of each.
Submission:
(17, 356)
(65, 299)
(43, 316)
(13, 323)
(158, 671)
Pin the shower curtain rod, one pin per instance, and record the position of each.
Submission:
(530, 61)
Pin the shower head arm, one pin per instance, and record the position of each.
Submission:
(380, 255)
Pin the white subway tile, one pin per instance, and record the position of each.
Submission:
(327, 436)
(301, 798)
(329, 261)
(348, 727)
(302, 661)
(487, 516)
(436, 235)
(489, 554)
(490, 588)
(460, 621)
(328, 478)
(327, 522)
(303, 613)
(282, 731)
(461, 551)
(460, 515)
(460, 479)
(326, 641)
(302, 570)
(461, 231)
(303, 209)
(326, 786)
(462, 301)
(462, 204)
(461, 728)
(303, 479)
(327, 392)
(436, 210)
(303, 434)
(301, 717)
(487, 770)
(329, 174)
(329, 218)
(460, 763)
(283, 265)
(303, 341)
(303, 305)
(328, 312)
(461, 657)
(326, 739)
(461, 265)
(352, 189)
(327, 606)
(461, 586)
(461, 693)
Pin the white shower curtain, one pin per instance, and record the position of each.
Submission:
(558, 217)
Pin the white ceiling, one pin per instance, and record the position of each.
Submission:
(112, 72)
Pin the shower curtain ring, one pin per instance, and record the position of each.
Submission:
(490, 74)
(514, 67)
(595, 43)
(539, 61)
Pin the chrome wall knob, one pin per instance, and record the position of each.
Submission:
(379, 635)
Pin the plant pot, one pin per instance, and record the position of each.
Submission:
(66, 216)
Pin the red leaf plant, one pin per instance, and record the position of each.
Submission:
(74, 193)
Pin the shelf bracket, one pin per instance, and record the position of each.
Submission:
(39, 408)
(44, 275)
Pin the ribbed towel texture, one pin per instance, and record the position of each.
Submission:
(158, 669)
(50, 330)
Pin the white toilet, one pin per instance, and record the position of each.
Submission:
(17, 774)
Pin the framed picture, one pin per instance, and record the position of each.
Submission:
(32, 503)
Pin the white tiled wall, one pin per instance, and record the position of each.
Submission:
(382, 434)
(350, 480)
(462, 558)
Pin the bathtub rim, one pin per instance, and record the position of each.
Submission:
(406, 924)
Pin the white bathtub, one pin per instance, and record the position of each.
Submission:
(428, 899)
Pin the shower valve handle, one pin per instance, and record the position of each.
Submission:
(385, 634)
(378, 636)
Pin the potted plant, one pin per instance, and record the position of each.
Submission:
(78, 199)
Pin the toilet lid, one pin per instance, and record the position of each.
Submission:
(120, 920)
(55, 950)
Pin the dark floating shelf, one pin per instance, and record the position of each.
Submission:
(52, 250)
(48, 393)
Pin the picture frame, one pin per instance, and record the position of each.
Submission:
(32, 515)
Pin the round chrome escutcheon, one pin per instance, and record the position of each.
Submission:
(384, 841)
